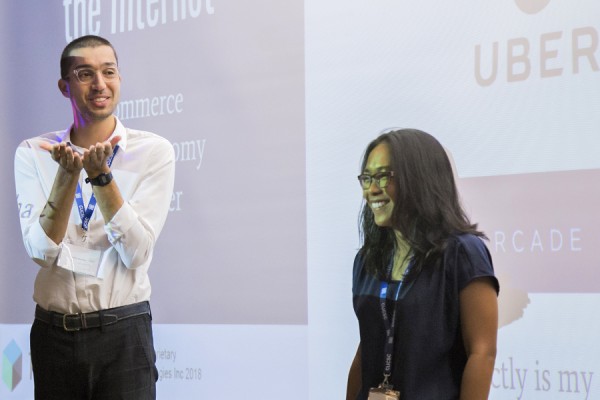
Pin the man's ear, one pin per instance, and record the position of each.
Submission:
(63, 86)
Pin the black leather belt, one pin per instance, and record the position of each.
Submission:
(96, 319)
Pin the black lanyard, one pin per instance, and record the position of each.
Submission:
(389, 323)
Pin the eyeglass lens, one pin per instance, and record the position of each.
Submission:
(87, 75)
(381, 180)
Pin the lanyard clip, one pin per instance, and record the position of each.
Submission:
(386, 383)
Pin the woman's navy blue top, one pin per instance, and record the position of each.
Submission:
(429, 356)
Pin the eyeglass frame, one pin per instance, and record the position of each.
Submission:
(109, 79)
(376, 178)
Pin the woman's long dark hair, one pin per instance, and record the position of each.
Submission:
(427, 210)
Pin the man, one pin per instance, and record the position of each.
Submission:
(100, 195)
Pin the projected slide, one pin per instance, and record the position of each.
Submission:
(224, 83)
(510, 88)
(269, 106)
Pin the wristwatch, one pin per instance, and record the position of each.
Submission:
(100, 180)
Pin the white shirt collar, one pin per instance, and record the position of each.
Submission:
(65, 136)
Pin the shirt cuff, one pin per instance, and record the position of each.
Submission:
(40, 246)
(121, 222)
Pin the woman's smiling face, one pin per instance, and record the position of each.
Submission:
(380, 200)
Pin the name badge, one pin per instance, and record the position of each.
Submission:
(79, 259)
(383, 394)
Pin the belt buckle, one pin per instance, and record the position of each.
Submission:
(65, 323)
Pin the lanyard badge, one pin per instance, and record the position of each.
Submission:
(380, 393)
(86, 212)
(385, 390)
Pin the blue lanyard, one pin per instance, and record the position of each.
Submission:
(86, 213)
(389, 323)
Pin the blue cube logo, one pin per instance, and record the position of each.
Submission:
(12, 365)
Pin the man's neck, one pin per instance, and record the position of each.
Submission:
(89, 133)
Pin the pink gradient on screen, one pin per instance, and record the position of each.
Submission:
(543, 228)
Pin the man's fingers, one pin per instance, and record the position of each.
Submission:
(64, 155)
(114, 140)
(61, 152)
(77, 161)
(46, 146)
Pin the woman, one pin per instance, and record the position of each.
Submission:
(423, 280)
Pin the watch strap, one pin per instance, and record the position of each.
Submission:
(100, 180)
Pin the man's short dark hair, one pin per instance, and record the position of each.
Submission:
(81, 42)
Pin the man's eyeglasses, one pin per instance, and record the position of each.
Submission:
(381, 179)
(87, 75)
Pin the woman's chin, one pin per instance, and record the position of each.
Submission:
(383, 222)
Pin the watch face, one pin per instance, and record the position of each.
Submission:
(102, 179)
